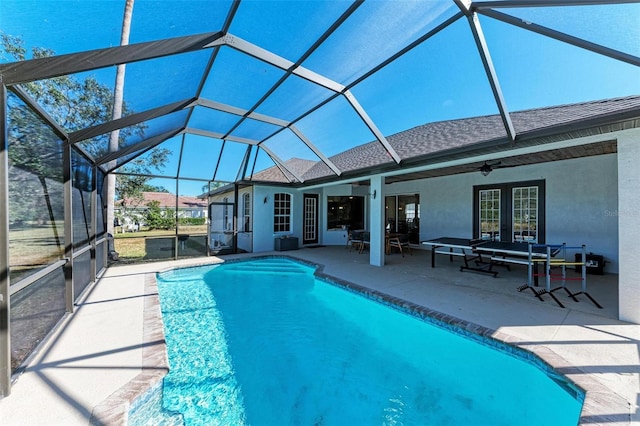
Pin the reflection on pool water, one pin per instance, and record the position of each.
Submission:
(265, 342)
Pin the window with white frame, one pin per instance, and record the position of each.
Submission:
(281, 212)
(246, 212)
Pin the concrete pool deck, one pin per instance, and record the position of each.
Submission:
(111, 348)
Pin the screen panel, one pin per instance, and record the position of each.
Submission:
(36, 192)
(369, 37)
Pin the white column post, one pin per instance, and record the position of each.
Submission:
(376, 221)
(629, 225)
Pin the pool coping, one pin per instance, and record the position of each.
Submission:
(114, 410)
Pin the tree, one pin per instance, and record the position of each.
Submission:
(130, 185)
(212, 186)
(153, 188)
(116, 113)
(74, 104)
(156, 218)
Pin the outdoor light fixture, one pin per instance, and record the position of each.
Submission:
(265, 200)
(487, 167)
(373, 194)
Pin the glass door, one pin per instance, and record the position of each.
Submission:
(510, 212)
(525, 213)
(222, 232)
(490, 221)
(310, 215)
(402, 215)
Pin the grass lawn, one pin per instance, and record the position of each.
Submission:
(160, 244)
(34, 245)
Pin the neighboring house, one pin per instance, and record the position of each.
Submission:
(131, 218)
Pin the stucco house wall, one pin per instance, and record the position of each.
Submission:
(263, 235)
(589, 200)
(581, 196)
(581, 204)
(628, 217)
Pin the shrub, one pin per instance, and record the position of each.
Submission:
(156, 218)
(191, 221)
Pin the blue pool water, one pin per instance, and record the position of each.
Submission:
(264, 342)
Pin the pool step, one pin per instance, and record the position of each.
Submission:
(271, 262)
(275, 263)
(256, 267)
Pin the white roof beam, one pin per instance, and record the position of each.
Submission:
(478, 5)
(268, 119)
(277, 61)
(200, 132)
(371, 125)
(483, 50)
(315, 150)
(241, 112)
(286, 65)
(253, 50)
(281, 165)
(241, 140)
(464, 6)
(565, 38)
(318, 79)
(217, 135)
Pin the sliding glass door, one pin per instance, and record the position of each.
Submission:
(402, 215)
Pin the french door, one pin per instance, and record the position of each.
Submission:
(510, 212)
(310, 219)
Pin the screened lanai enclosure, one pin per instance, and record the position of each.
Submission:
(103, 102)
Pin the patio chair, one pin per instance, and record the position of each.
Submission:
(366, 240)
(400, 242)
(354, 239)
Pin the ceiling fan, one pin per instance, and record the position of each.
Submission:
(487, 167)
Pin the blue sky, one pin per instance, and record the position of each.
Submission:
(441, 79)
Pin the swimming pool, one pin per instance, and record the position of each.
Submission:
(265, 342)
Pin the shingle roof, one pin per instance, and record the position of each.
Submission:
(298, 166)
(439, 137)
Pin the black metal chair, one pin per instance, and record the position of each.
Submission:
(354, 239)
(400, 242)
(366, 240)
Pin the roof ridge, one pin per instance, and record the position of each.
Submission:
(520, 111)
(595, 101)
(298, 158)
